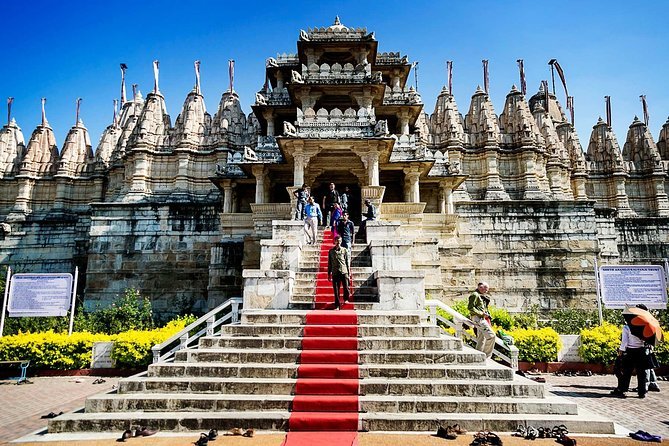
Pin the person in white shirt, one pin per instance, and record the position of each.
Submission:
(312, 217)
(632, 350)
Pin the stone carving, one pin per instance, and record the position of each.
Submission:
(381, 128)
(296, 78)
(289, 129)
(249, 154)
(271, 62)
(260, 99)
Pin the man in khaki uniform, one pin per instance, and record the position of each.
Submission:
(478, 311)
(338, 270)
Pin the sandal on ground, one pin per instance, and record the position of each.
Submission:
(520, 431)
(446, 432)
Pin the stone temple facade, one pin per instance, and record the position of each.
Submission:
(179, 209)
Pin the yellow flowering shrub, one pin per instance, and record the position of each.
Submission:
(536, 345)
(50, 350)
(599, 345)
(133, 348)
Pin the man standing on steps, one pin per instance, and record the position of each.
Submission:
(338, 262)
(312, 217)
(346, 229)
(331, 197)
(478, 311)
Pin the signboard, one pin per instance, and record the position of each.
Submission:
(101, 357)
(569, 351)
(633, 284)
(39, 295)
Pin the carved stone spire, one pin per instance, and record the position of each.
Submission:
(11, 147)
(129, 116)
(640, 148)
(446, 121)
(193, 125)
(153, 125)
(41, 155)
(108, 141)
(604, 150)
(481, 122)
(554, 108)
(516, 120)
(229, 122)
(663, 141)
(77, 155)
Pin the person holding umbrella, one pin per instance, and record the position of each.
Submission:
(640, 328)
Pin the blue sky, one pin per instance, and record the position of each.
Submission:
(70, 49)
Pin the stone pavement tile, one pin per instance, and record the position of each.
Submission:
(592, 392)
(21, 406)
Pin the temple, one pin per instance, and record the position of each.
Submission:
(197, 211)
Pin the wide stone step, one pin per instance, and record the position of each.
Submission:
(368, 403)
(289, 371)
(583, 422)
(273, 356)
(298, 330)
(364, 317)
(368, 386)
(364, 343)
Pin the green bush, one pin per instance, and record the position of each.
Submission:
(662, 352)
(129, 312)
(537, 345)
(527, 319)
(50, 350)
(599, 345)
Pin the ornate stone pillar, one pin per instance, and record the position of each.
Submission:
(494, 187)
(227, 196)
(269, 117)
(260, 171)
(411, 185)
(371, 162)
(404, 122)
(279, 80)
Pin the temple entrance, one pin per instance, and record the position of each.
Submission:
(341, 179)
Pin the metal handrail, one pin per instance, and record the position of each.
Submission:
(507, 353)
(207, 325)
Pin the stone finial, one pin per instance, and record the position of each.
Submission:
(156, 72)
(337, 21)
(124, 67)
(45, 123)
(197, 76)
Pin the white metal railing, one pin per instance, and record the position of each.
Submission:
(207, 325)
(505, 352)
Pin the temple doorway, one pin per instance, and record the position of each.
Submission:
(341, 179)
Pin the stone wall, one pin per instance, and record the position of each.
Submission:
(162, 250)
(529, 252)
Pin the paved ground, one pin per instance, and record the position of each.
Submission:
(21, 406)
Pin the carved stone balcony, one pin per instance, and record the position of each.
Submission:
(335, 124)
(276, 97)
(337, 74)
(391, 59)
(402, 97)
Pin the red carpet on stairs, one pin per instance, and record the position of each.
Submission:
(325, 409)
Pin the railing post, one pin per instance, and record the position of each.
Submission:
(156, 353)
(458, 327)
(183, 341)
(210, 326)
(433, 314)
(235, 312)
(513, 355)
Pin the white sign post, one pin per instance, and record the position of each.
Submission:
(629, 285)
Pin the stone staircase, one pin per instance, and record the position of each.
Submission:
(411, 375)
(363, 289)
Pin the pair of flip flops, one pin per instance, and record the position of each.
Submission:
(51, 415)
